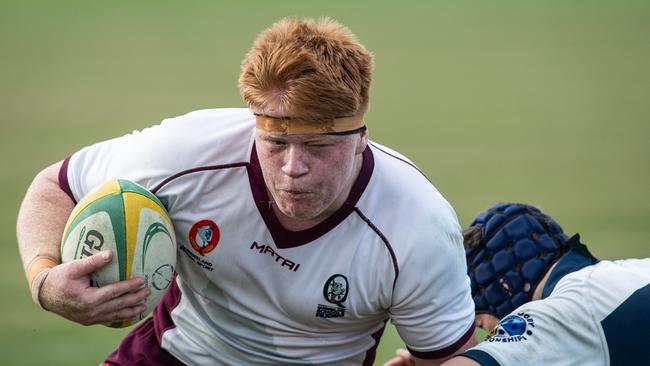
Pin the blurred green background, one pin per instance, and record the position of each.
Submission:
(544, 102)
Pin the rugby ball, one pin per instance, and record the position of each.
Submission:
(124, 217)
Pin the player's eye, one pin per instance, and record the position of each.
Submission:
(276, 142)
(320, 144)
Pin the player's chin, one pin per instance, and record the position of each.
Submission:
(299, 210)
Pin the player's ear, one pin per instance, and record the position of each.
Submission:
(472, 237)
(363, 141)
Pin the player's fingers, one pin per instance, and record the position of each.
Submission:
(127, 300)
(88, 265)
(123, 308)
(123, 315)
(401, 352)
(117, 289)
(403, 359)
(397, 361)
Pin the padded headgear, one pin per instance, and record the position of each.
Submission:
(517, 246)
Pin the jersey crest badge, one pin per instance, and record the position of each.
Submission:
(335, 292)
(513, 328)
(204, 236)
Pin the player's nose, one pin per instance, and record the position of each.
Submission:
(295, 162)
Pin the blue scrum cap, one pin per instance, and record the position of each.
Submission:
(509, 249)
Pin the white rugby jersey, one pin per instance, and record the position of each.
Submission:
(249, 291)
(595, 316)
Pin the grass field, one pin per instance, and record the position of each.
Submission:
(543, 102)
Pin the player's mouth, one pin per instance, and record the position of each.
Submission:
(294, 194)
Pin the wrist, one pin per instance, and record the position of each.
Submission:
(37, 270)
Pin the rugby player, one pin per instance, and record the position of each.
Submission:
(299, 238)
(546, 300)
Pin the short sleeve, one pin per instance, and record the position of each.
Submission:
(545, 332)
(432, 306)
(141, 156)
(149, 156)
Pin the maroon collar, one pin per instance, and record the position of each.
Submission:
(284, 238)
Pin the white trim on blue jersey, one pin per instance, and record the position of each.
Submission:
(594, 316)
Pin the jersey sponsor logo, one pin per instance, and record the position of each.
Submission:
(207, 265)
(513, 328)
(335, 292)
(204, 236)
(280, 260)
(324, 311)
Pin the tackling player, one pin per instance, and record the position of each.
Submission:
(558, 304)
(298, 237)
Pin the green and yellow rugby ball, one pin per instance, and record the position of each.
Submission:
(124, 217)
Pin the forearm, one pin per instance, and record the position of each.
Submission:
(65, 289)
(41, 220)
(471, 342)
(404, 358)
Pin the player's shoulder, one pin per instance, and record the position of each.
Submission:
(221, 134)
(392, 162)
(191, 141)
(633, 267)
(601, 287)
(216, 115)
(216, 120)
(608, 273)
(618, 278)
(408, 209)
(397, 183)
(562, 324)
(196, 126)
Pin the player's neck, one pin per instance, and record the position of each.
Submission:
(537, 295)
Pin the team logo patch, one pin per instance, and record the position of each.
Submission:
(335, 292)
(513, 328)
(204, 236)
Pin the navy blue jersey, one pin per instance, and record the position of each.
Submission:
(595, 316)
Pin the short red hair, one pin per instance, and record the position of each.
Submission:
(307, 69)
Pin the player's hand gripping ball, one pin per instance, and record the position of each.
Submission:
(127, 219)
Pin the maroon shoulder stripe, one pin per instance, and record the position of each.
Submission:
(402, 160)
(194, 170)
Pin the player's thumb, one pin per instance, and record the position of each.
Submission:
(88, 265)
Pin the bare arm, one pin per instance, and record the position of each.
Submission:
(42, 217)
(461, 361)
(65, 288)
(404, 358)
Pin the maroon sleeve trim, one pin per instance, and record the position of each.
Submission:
(63, 179)
(447, 351)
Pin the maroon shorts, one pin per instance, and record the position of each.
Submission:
(142, 345)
